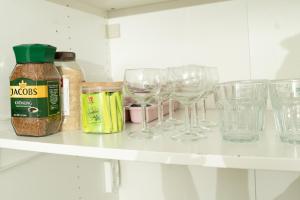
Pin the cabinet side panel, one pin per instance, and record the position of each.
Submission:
(177, 182)
(36, 21)
(49, 177)
(277, 185)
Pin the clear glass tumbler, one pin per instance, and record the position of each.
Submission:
(285, 98)
(241, 106)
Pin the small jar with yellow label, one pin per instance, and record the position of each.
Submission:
(102, 107)
(35, 91)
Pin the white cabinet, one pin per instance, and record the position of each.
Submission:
(277, 185)
(244, 38)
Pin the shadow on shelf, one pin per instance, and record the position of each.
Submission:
(196, 183)
(292, 192)
(177, 183)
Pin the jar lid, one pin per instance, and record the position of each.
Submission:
(34, 53)
(105, 86)
(65, 56)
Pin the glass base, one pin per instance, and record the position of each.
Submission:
(292, 139)
(240, 138)
(186, 137)
(143, 134)
(174, 122)
(201, 128)
(163, 128)
(208, 124)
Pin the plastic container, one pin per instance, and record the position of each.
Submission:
(72, 77)
(285, 98)
(241, 106)
(35, 91)
(102, 107)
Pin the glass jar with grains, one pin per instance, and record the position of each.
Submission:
(35, 91)
(72, 77)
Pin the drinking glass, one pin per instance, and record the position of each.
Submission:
(285, 98)
(241, 106)
(161, 97)
(172, 121)
(212, 80)
(142, 85)
(188, 85)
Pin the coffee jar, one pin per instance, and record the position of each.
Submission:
(35, 91)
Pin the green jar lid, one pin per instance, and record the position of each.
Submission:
(34, 53)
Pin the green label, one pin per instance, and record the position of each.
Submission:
(53, 97)
(92, 118)
(35, 99)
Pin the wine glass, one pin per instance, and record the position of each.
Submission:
(163, 95)
(188, 85)
(212, 80)
(142, 85)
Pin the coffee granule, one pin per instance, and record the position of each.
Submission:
(33, 126)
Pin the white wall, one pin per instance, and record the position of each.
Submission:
(274, 38)
(213, 34)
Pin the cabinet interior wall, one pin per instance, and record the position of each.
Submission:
(245, 39)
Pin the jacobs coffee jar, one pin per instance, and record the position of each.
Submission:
(35, 91)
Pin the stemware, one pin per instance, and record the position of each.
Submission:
(163, 95)
(188, 85)
(142, 85)
(172, 121)
(212, 80)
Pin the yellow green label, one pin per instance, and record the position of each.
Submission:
(92, 117)
(34, 98)
(102, 112)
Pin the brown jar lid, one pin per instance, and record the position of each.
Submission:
(65, 56)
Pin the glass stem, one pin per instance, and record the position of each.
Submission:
(144, 118)
(203, 109)
(195, 117)
(160, 111)
(171, 109)
(187, 114)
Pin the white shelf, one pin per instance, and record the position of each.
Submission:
(269, 153)
(117, 8)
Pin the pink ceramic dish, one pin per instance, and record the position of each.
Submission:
(151, 112)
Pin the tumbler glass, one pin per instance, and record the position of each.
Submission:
(285, 98)
(241, 106)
